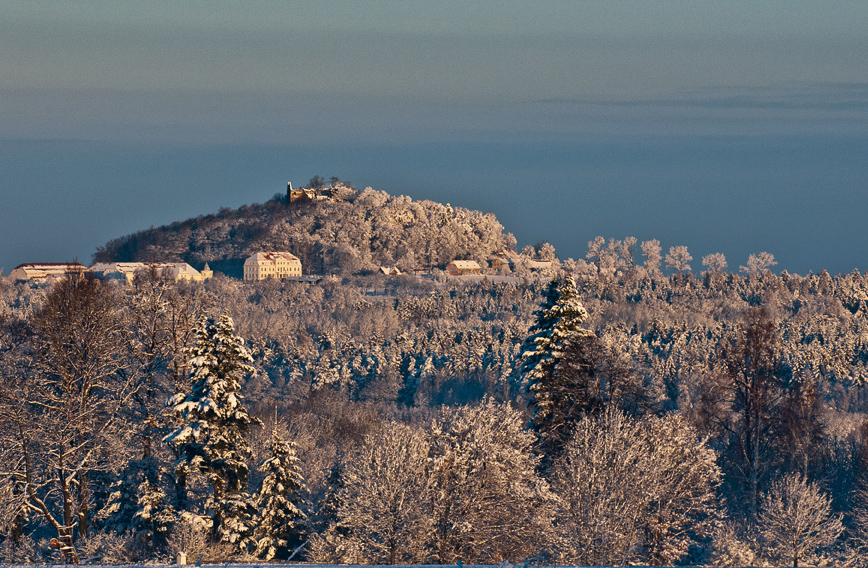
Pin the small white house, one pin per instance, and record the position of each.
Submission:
(460, 267)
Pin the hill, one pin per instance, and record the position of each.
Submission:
(346, 232)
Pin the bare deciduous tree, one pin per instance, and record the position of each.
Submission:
(752, 390)
(714, 262)
(634, 490)
(758, 263)
(678, 259)
(797, 522)
(64, 418)
(382, 506)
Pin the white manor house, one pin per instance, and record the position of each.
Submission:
(262, 265)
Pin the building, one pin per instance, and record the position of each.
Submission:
(264, 265)
(45, 271)
(539, 264)
(302, 194)
(178, 271)
(461, 267)
(504, 261)
(126, 271)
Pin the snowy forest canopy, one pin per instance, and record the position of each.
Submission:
(608, 414)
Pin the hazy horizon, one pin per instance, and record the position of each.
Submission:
(736, 129)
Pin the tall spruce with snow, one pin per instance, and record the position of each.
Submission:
(280, 522)
(211, 437)
(556, 365)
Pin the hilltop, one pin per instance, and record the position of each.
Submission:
(341, 230)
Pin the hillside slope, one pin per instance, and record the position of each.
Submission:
(348, 233)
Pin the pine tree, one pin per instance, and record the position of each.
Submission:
(155, 513)
(211, 438)
(556, 366)
(137, 502)
(280, 522)
(332, 501)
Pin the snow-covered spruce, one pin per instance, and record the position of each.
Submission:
(280, 521)
(213, 423)
(552, 364)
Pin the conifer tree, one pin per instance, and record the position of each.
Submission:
(556, 366)
(280, 522)
(211, 437)
(138, 503)
(327, 515)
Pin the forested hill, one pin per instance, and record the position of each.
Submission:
(346, 233)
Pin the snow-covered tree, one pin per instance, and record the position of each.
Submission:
(137, 502)
(331, 503)
(382, 514)
(63, 413)
(651, 249)
(681, 484)
(634, 490)
(714, 262)
(280, 501)
(211, 437)
(487, 501)
(678, 258)
(599, 478)
(553, 364)
(758, 263)
(797, 522)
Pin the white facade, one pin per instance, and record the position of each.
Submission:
(171, 270)
(45, 271)
(264, 265)
(116, 270)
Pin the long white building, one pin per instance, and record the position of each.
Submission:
(45, 271)
(127, 270)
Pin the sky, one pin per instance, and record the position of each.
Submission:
(733, 127)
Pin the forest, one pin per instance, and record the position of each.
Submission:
(609, 411)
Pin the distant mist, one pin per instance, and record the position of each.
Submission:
(800, 197)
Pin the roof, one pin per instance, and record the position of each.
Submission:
(177, 269)
(123, 267)
(49, 265)
(271, 256)
(465, 264)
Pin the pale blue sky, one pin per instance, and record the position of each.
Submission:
(478, 99)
